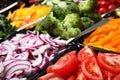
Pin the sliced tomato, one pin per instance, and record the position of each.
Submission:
(85, 52)
(65, 66)
(109, 62)
(80, 75)
(50, 76)
(72, 77)
(107, 75)
(90, 69)
(117, 77)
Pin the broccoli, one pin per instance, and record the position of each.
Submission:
(94, 16)
(87, 22)
(47, 24)
(71, 26)
(60, 11)
(87, 6)
(67, 28)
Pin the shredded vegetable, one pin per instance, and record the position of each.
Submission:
(107, 36)
(25, 15)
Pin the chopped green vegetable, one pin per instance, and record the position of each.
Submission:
(94, 16)
(67, 28)
(6, 30)
(87, 22)
(87, 6)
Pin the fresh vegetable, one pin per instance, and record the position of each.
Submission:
(60, 11)
(117, 77)
(71, 26)
(65, 19)
(93, 16)
(109, 62)
(6, 29)
(25, 15)
(27, 53)
(89, 66)
(106, 36)
(87, 6)
(92, 67)
(117, 12)
(104, 6)
(87, 22)
(85, 53)
(58, 2)
(67, 28)
(64, 66)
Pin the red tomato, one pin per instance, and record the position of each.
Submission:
(72, 77)
(109, 62)
(80, 75)
(118, 1)
(102, 10)
(103, 3)
(65, 66)
(111, 6)
(33, 1)
(50, 76)
(84, 53)
(117, 77)
(108, 75)
(90, 69)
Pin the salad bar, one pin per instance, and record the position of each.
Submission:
(60, 40)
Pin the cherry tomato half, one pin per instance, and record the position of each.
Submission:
(65, 66)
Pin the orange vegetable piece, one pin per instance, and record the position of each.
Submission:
(106, 36)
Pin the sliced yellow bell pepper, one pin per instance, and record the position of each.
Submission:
(25, 15)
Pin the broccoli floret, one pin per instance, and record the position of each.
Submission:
(66, 29)
(94, 16)
(72, 8)
(87, 6)
(60, 11)
(47, 24)
(71, 26)
(87, 22)
(72, 20)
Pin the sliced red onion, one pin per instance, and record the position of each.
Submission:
(16, 78)
(22, 56)
(38, 60)
(15, 74)
(9, 52)
(27, 52)
(14, 63)
(7, 62)
(1, 67)
(60, 42)
(17, 67)
(44, 63)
